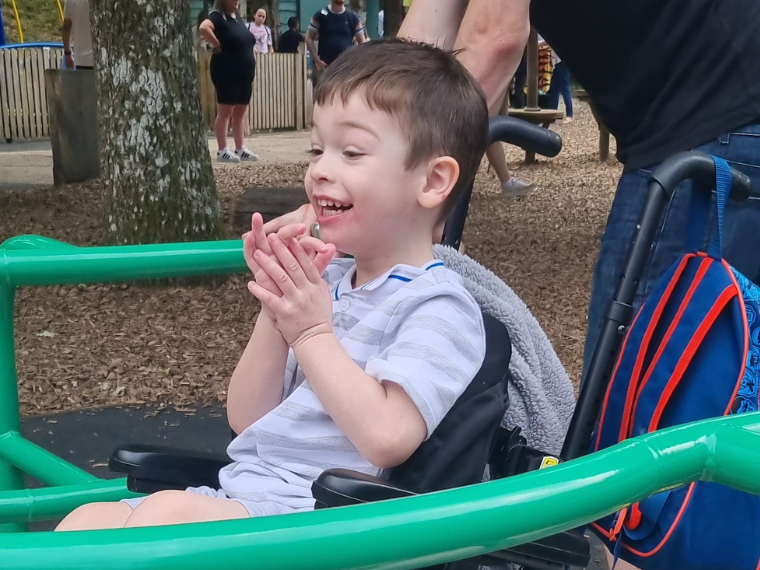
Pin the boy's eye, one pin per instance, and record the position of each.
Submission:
(314, 152)
(352, 154)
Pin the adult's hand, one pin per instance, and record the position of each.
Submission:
(319, 64)
(304, 215)
(69, 59)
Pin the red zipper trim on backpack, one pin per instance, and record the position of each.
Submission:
(688, 354)
(646, 339)
(676, 520)
(704, 266)
(743, 368)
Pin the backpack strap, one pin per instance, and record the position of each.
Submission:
(701, 207)
(723, 179)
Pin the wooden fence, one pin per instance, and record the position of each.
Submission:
(23, 101)
(281, 92)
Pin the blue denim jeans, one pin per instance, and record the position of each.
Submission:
(560, 85)
(741, 231)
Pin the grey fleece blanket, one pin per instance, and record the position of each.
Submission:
(541, 395)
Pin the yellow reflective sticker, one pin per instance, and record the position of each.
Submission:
(548, 462)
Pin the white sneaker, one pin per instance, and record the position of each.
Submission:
(224, 155)
(245, 154)
(515, 187)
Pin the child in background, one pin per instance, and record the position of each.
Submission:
(261, 32)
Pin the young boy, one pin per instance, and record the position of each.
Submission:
(354, 369)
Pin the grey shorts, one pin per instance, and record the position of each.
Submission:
(254, 508)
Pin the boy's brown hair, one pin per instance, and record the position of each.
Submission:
(437, 102)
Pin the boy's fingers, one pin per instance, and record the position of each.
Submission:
(259, 236)
(275, 271)
(309, 270)
(323, 259)
(273, 302)
(290, 231)
(312, 245)
(288, 262)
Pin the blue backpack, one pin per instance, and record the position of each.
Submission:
(692, 352)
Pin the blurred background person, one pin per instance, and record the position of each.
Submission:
(233, 68)
(261, 32)
(290, 40)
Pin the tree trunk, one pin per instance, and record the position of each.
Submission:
(156, 168)
(393, 16)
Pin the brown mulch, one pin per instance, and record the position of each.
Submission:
(94, 346)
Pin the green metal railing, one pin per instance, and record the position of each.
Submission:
(404, 533)
(39, 261)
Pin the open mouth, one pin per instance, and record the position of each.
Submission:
(332, 208)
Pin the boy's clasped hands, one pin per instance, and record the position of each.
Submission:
(287, 267)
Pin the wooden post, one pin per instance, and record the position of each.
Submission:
(73, 125)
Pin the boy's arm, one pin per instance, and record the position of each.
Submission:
(384, 413)
(380, 419)
(256, 385)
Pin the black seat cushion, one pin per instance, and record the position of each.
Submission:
(458, 450)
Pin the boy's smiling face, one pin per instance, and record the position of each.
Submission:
(365, 198)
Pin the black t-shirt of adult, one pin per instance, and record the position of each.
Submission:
(289, 42)
(336, 32)
(236, 43)
(665, 75)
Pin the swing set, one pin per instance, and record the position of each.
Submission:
(18, 22)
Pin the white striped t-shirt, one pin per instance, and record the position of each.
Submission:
(417, 327)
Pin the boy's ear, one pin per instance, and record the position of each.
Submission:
(443, 173)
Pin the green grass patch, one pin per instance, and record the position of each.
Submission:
(40, 20)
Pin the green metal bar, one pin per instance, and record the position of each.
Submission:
(67, 265)
(421, 530)
(33, 242)
(10, 477)
(40, 463)
(36, 260)
(28, 505)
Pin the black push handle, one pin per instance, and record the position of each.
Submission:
(525, 135)
(691, 165)
(511, 131)
(699, 167)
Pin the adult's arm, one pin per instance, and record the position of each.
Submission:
(311, 37)
(207, 31)
(66, 39)
(489, 34)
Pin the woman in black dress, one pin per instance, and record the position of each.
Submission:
(232, 70)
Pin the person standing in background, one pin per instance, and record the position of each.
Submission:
(290, 40)
(261, 32)
(336, 27)
(233, 68)
(76, 24)
(560, 85)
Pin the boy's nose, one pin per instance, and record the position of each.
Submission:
(320, 169)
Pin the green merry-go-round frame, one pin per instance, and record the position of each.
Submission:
(405, 533)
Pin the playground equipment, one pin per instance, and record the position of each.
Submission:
(410, 532)
(18, 21)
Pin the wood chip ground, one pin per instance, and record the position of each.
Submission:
(104, 345)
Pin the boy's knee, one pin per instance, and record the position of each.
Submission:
(96, 516)
(162, 508)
